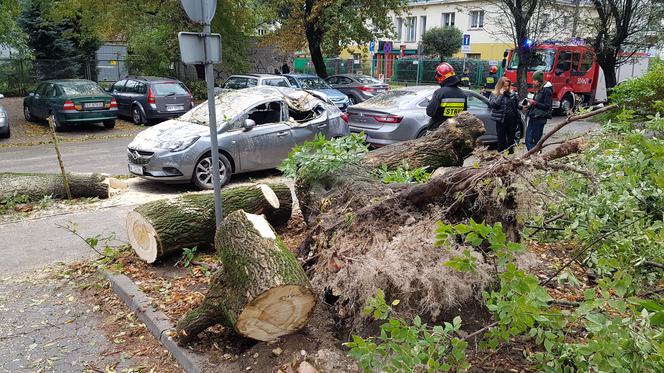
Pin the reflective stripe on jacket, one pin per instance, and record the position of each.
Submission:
(447, 102)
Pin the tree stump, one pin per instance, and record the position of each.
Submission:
(162, 227)
(261, 292)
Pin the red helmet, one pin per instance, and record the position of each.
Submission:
(444, 71)
(493, 69)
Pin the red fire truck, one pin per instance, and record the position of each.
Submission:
(572, 69)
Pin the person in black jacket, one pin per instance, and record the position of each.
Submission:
(539, 109)
(505, 112)
(448, 100)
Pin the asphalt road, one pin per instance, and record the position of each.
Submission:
(105, 156)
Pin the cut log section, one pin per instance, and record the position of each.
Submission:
(161, 227)
(38, 186)
(262, 292)
(444, 147)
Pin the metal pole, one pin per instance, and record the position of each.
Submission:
(209, 79)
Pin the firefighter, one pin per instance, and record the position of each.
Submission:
(465, 78)
(448, 100)
(490, 81)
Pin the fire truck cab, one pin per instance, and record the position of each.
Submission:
(572, 69)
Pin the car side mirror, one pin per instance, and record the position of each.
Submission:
(2, 96)
(249, 124)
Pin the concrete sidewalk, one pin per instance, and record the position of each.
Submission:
(31, 244)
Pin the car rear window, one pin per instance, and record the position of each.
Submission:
(276, 82)
(169, 89)
(367, 80)
(391, 99)
(314, 83)
(81, 89)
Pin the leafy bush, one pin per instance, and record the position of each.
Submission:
(644, 95)
(408, 347)
(198, 89)
(403, 174)
(321, 156)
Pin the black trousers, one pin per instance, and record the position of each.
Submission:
(506, 132)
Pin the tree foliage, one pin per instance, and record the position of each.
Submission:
(442, 41)
(61, 46)
(11, 34)
(328, 25)
(622, 28)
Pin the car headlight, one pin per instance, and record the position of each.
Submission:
(179, 145)
(3, 115)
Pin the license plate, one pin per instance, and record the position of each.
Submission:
(136, 169)
(174, 107)
(93, 105)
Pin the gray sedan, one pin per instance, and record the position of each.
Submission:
(357, 87)
(400, 115)
(257, 127)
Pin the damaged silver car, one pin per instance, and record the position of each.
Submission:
(256, 127)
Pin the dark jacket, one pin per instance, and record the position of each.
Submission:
(504, 106)
(447, 101)
(490, 81)
(543, 107)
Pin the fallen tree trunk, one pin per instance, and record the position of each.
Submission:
(38, 186)
(446, 146)
(161, 227)
(262, 292)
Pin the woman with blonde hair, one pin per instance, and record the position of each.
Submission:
(504, 106)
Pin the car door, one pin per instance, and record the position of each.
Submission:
(479, 107)
(40, 102)
(266, 144)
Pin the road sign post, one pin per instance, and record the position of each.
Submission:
(465, 48)
(202, 11)
(372, 49)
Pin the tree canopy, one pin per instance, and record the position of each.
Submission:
(11, 34)
(326, 26)
(442, 41)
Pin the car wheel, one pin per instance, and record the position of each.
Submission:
(353, 100)
(137, 115)
(202, 177)
(566, 105)
(422, 132)
(4, 133)
(109, 124)
(59, 127)
(28, 114)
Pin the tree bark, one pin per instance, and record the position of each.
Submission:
(262, 292)
(38, 186)
(446, 146)
(314, 41)
(162, 227)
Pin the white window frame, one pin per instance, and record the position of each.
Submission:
(451, 16)
(411, 30)
(423, 26)
(398, 25)
(476, 15)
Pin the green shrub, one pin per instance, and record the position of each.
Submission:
(403, 174)
(198, 89)
(644, 95)
(321, 156)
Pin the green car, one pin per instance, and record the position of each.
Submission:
(70, 102)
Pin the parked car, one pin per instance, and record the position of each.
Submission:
(357, 87)
(71, 102)
(255, 80)
(316, 84)
(4, 121)
(400, 115)
(147, 98)
(257, 127)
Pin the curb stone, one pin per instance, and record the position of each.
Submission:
(156, 321)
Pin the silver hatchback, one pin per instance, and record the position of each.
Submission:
(257, 127)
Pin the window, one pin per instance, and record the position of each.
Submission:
(399, 26)
(423, 25)
(267, 113)
(411, 31)
(51, 91)
(476, 103)
(119, 86)
(475, 56)
(260, 32)
(540, 60)
(276, 82)
(586, 62)
(448, 19)
(564, 61)
(292, 81)
(333, 80)
(477, 19)
(236, 82)
(344, 81)
(141, 88)
(167, 89)
(81, 88)
(252, 82)
(314, 83)
(130, 87)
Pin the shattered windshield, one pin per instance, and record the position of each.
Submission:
(314, 83)
(542, 59)
(229, 105)
(397, 98)
(73, 89)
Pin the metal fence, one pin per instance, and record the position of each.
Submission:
(19, 76)
(421, 70)
(332, 65)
